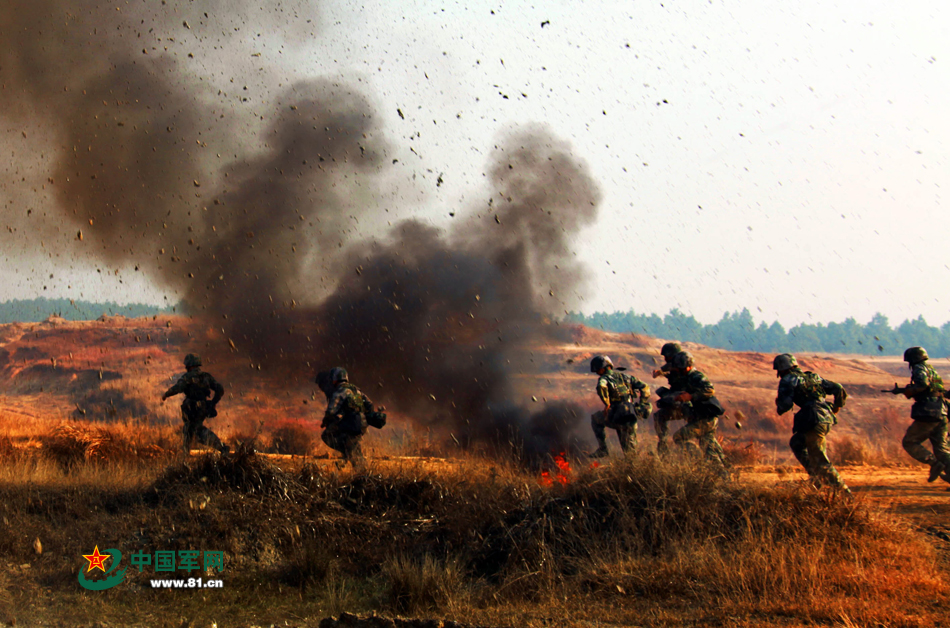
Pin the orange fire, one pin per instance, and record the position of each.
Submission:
(562, 473)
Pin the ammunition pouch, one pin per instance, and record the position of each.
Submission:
(353, 423)
(376, 419)
(195, 410)
(624, 413)
(930, 409)
(707, 409)
(667, 402)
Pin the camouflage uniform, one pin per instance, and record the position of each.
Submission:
(812, 422)
(702, 417)
(615, 390)
(666, 408)
(344, 422)
(930, 417)
(197, 385)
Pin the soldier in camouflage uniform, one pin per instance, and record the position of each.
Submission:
(813, 421)
(197, 386)
(347, 416)
(928, 412)
(699, 405)
(667, 409)
(615, 390)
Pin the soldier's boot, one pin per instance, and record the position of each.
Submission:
(186, 436)
(936, 468)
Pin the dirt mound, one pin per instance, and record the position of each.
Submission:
(243, 471)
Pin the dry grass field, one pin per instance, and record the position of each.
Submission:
(88, 458)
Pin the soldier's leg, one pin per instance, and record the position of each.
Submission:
(684, 436)
(821, 467)
(207, 437)
(598, 423)
(662, 426)
(352, 451)
(331, 437)
(709, 443)
(916, 434)
(187, 434)
(799, 447)
(938, 441)
(628, 437)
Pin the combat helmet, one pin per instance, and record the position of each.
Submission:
(913, 355)
(192, 360)
(339, 374)
(682, 360)
(600, 362)
(670, 349)
(784, 361)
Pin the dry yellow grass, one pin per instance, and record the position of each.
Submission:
(470, 538)
(477, 539)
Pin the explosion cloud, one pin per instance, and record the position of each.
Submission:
(153, 167)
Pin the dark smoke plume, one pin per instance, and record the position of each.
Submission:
(443, 322)
(152, 169)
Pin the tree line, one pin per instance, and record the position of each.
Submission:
(737, 331)
(39, 309)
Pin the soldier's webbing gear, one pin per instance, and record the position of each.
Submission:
(928, 402)
(197, 386)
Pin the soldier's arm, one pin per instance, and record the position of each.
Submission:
(919, 382)
(368, 405)
(785, 400)
(218, 390)
(836, 389)
(335, 405)
(602, 392)
(700, 387)
(177, 389)
(643, 387)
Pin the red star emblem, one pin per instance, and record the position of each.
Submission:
(96, 560)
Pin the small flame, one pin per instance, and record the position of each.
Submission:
(562, 473)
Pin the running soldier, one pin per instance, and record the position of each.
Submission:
(929, 413)
(615, 390)
(813, 421)
(197, 386)
(347, 416)
(696, 400)
(666, 408)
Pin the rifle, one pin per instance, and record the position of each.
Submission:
(897, 390)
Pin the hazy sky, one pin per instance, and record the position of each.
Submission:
(785, 157)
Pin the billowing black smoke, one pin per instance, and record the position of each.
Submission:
(153, 171)
(442, 322)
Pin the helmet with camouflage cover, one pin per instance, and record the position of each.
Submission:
(339, 374)
(600, 362)
(913, 355)
(192, 360)
(784, 361)
(670, 349)
(682, 360)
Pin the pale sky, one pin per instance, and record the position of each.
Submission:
(785, 157)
